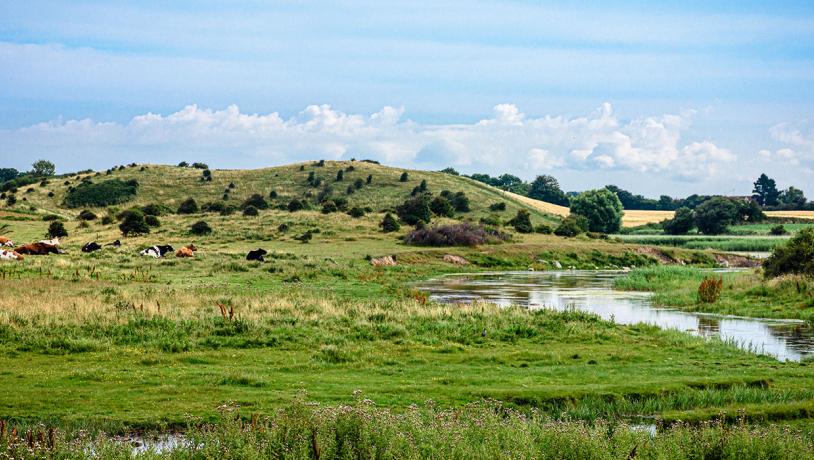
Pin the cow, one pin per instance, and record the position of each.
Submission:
(92, 246)
(115, 244)
(52, 241)
(157, 251)
(186, 251)
(6, 242)
(10, 255)
(257, 255)
(38, 249)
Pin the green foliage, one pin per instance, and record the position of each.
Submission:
(295, 205)
(501, 206)
(601, 208)
(43, 168)
(543, 229)
(133, 223)
(340, 175)
(152, 221)
(329, 207)
(250, 211)
(255, 200)
(792, 198)
(389, 224)
(682, 222)
(356, 212)
(56, 230)
(441, 207)
(404, 177)
(522, 222)
(188, 206)
(765, 191)
(460, 202)
(572, 225)
(778, 230)
(86, 214)
(415, 210)
(547, 188)
(106, 193)
(796, 256)
(200, 228)
(154, 209)
(11, 200)
(7, 174)
(450, 170)
(713, 216)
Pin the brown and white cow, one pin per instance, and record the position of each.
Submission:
(37, 249)
(6, 242)
(5, 254)
(186, 251)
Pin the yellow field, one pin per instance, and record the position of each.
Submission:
(635, 218)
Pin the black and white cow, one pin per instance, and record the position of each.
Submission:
(92, 246)
(158, 251)
(257, 254)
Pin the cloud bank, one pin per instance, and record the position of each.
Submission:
(508, 140)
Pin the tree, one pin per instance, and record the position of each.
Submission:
(602, 208)
(796, 256)
(389, 224)
(43, 168)
(713, 216)
(200, 228)
(460, 202)
(450, 170)
(572, 225)
(188, 206)
(404, 177)
(250, 211)
(133, 223)
(415, 210)
(749, 211)
(792, 198)
(522, 221)
(295, 205)
(255, 200)
(7, 174)
(546, 188)
(56, 230)
(340, 175)
(682, 222)
(765, 191)
(440, 206)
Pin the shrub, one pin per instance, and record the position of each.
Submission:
(106, 220)
(295, 205)
(106, 193)
(86, 215)
(710, 290)
(492, 219)
(227, 211)
(572, 225)
(282, 228)
(255, 200)
(440, 206)
(404, 177)
(714, 215)
(682, 222)
(200, 228)
(460, 202)
(231, 185)
(133, 223)
(340, 175)
(56, 230)
(415, 210)
(320, 163)
(212, 206)
(329, 207)
(188, 206)
(369, 178)
(453, 235)
(305, 237)
(206, 175)
(273, 194)
(497, 206)
(183, 164)
(543, 229)
(602, 208)
(522, 221)
(778, 230)
(356, 212)
(50, 217)
(250, 211)
(50, 194)
(11, 200)
(200, 166)
(358, 183)
(152, 221)
(796, 256)
(389, 224)
(156, 209)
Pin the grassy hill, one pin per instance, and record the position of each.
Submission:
(170, 185)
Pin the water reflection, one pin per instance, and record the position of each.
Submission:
(592, 291)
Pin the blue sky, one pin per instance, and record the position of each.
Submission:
(654, 97)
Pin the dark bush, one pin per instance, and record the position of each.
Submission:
(206, 175)
(250, 211)
(200, 166)
(460, 202)
(86, 215)
(415, 210)
(156, 209)
(404, 177)
(522, 221)
(369, 178)
(282, 228)
(713, 216)
(295, 205)
(440, 206)
(106, 220)
(50, 217)
(56, 230)
(257, 201)
(106, 193)
(227, 211)
(273, 194)
(453, 235)
(188, 206)
(231, 185)
(356, 212)
(212, 206)
(572, 225)
(778, 230)
(350, 190)
(796, 256)
(491, 219)
(320, 163)
(340, 175)
(329, 207)
(389, 224)
(358, 183)
(682, 222)
(200, 228)
(543, 229)
(497, 206)
(50, 194)
(133, 223)
(305, 237)
(11, 200)
(152, 221)
(183, 164)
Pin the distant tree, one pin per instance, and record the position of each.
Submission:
(415, 210)
(152, 221)
(340, 175)
(369, 178)
(43, 168)
(200, 165)
(460, 202)
(450, 170)
(792, 198)
(422, 187)
(499, 206)
(86, 214)
(682, 222)
(183, 164)
(250, 211)
(602, 208)
(571, 226)
(404, 177)
(329, 207)
(389, 224)
(666, 203)
(522, 222)
(255, 200)
(546, 188)
(440, 206)
(188, 206)
(11, 200)
(765, 191)
(56, 230)
(133, 223)
(749, 211)
(295, 205)
(200, 228)
(713, 216)
(795, 257)
(7, 174)
(356, 212)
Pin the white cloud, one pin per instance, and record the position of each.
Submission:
(797, 145)
(508, 141)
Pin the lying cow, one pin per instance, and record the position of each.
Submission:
(38, 249)
(92, 246)
(186, 251)
(10, 255)
(257, 255)
(157, 252)
(6, 242)
(52, 241)
(115, 244)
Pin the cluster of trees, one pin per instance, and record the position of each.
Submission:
(713, 216)
(767, 195)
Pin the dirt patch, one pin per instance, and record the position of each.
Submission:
(736, 261)
(659, 255)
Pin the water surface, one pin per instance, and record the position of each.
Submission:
(592, 291)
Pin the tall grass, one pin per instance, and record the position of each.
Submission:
(721, 243)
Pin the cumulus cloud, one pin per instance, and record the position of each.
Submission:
(506, 141)
(797, 145)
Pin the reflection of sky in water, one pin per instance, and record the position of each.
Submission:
(591, 291)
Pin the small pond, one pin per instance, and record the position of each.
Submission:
(592, 291)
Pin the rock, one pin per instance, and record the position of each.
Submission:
(457, 260)
(386, 261)
(625, 269)
(531, 269)
(557, 265)
(725, 263)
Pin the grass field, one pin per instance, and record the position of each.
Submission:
(740, 243)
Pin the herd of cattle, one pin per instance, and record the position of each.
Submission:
(52, 246)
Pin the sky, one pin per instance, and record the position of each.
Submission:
(655, 97)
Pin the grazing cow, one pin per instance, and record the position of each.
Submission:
(158, 251)
(186, 251)
(38, 249)
(52, 242)
(6, 242)
(92, 246)
(9, 255)
(257, 255)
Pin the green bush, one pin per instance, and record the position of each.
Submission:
(56, 230)
(356, 212)
(389, 224)
(50, 217)
(460, 202)
(778, 230)
(415, 210)
(404, 177)
(795, 257)
(601, 208)
(522, 222)
(250, 211)
(200, 228)
(440, 206)
(188, 206)
(572, 225)
(86, 215)
(543, 229)
(106, 193)
(156, 209)
(133, 223)
(295, 205)
(257, 201)
(501, 206)
(682, 222)
(713, 216)
(152, 221)
(329, 207)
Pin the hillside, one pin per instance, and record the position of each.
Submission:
(169, 185)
